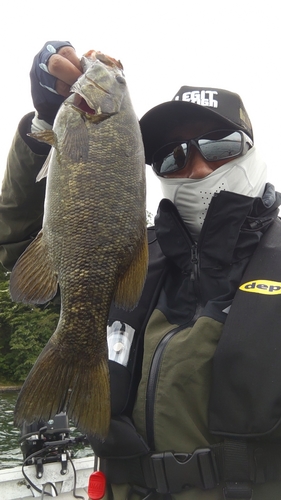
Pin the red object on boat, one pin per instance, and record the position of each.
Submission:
(96, 486)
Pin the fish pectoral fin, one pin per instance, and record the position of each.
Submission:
(130, 284)
(75, 142)
(47, 136)
(32, 279)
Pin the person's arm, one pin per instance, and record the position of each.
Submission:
(22, 198)
(55, 67)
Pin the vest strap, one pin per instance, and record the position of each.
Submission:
(236, 465)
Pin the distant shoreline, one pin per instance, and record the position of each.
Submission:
(4, 388)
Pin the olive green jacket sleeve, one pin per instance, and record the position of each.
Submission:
(22, 198)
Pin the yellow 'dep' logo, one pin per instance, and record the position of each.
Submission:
(262, 286)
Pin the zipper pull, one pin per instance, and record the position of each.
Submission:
(194, 262)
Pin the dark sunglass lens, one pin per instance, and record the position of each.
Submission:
(171, 162)
(220, 148)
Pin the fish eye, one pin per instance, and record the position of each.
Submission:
(120, 79)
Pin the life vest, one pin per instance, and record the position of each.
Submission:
(245, 403)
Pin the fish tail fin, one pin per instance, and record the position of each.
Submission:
(130, 284)
(57, 383)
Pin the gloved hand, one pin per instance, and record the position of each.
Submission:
(55, 68)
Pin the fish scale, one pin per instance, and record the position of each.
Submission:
(93, 244)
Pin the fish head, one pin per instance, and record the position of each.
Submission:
(100, 90)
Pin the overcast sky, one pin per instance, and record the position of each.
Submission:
(162, 45)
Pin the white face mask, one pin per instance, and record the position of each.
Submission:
(244, 175)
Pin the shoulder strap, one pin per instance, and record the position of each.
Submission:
(246, 385)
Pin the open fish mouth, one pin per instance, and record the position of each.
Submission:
(81, 104)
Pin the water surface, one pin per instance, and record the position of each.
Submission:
(10, 452)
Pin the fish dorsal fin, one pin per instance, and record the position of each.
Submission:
(33, 280)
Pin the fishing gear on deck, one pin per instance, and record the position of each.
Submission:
(47, 442)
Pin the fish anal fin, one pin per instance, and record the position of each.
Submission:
(130, 284)
(33, 279)
(59, 382)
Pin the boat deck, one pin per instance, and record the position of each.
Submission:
(14, 486)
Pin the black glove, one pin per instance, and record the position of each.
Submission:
(45, 98)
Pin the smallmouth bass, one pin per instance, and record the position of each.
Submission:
(93, 244)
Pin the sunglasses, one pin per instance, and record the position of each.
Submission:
(214, 146)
